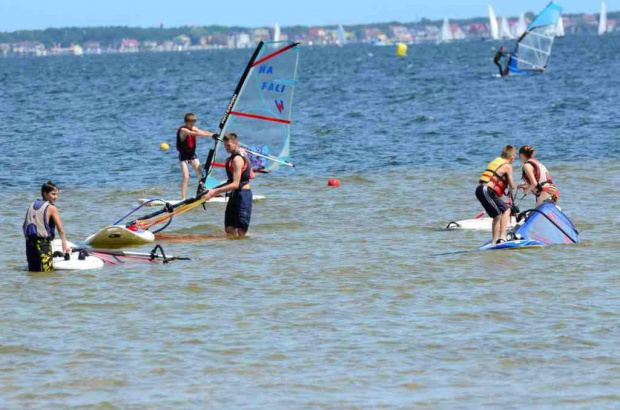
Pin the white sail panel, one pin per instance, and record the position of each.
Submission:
(602, 22)
(493, 24)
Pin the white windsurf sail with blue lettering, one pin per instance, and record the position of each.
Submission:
(261, 113)
(533, 48)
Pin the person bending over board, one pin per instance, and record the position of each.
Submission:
(186, 145)
(501, 53)
(41, 221)
(492, 187)
(239, 173)
(536, 178)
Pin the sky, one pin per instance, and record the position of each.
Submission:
(40, 14)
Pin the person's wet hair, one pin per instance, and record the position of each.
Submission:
(48, 187)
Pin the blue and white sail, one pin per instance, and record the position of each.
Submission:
(260, 114)
(546, 225)
(533, 48)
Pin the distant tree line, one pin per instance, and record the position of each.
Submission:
(112, 35)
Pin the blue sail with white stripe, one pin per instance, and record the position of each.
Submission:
(533, 48)
(546, 225)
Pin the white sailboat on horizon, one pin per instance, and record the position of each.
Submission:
(342, 36)
(276, 33)
(445, 35)
(602, 22)
(559, 30)
(504, 29)
(520, 27)
(493, 24)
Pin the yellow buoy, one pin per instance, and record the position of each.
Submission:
(401, 50)
(164, 146)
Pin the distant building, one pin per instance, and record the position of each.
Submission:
(5, 48)
(92, 47)
(243, 40)
(129, 45)
(182, 42)
(29, 48)
(401, 34)
(372, 34)
(260, 34)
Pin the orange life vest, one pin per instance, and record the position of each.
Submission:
(490, 175)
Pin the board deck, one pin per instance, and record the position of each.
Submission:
(518, 244)
(118, 236)
(74, 262)
(477, 224)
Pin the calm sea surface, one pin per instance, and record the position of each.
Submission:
(342, 297)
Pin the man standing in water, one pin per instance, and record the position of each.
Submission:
(497, 60)
(186, 145)
(492, 187)
(239, 173)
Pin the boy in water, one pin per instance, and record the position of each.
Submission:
(492, 187)
(186, 145)
(39, 227)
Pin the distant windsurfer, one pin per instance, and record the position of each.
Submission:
(492, 187)
(536, 178)
(39, 227)
(501, 53)
(186, 145)
(239, 173)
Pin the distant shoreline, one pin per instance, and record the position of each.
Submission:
(122, 39)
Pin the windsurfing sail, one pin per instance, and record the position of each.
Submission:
(504, 29)
(445, 35)
(548, 225)
(342, 37)
(533, 48)
(493, 27)
(259, 112)
(559, 31)
(602, 22)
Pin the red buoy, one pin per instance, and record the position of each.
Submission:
(333, 182)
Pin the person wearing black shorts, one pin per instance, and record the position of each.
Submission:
(186, 145)
(239, 172)
(492, 185)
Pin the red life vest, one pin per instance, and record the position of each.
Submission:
(247, 173)
(187, 146)
(541, 174)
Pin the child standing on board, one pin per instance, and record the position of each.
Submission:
(186, 145)
(492, 187)
(39, 227)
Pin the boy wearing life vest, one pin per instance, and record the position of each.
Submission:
(536, 178)
(492, 187)
(239, 172)
(186, 145)
(39, 227)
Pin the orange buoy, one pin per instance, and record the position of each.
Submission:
(333, 182)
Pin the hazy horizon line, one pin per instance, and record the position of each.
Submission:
(419, 21)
